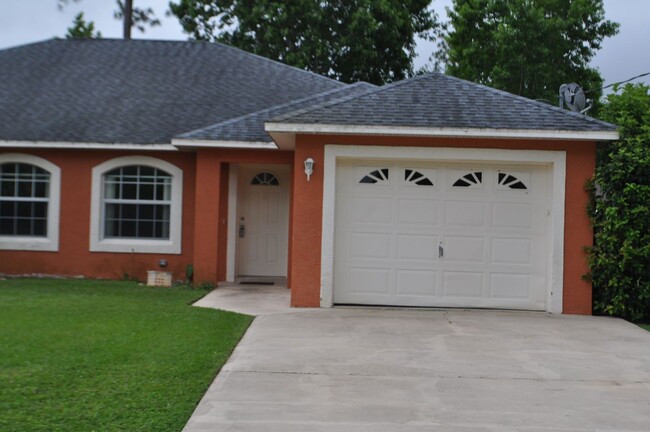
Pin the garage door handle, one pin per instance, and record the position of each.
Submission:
(441, 250)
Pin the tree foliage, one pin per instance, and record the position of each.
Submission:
(349, 40)
(526, 47)
(81, 29)
(620, 257)
(130, 15)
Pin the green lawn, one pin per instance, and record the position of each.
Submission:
(645, 326)
(78, 355)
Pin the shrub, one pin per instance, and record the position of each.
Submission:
(620, 258)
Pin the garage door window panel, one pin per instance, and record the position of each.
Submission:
(375, 176)
(472, 179)
(513, 181)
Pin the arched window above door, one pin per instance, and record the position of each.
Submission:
(265, 179)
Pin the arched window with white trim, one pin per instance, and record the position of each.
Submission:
(137, 206)
(29, 203)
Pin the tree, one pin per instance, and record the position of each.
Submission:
(130, 15)
(81, 29)
(349, 40)
(620, 210)
(526, 47)
(134, 17)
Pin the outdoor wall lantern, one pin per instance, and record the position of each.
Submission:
(309, 167)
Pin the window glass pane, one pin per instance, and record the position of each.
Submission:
(128, 211)
(25, 189)
(7, 209)
(23, 226)
(147, 173)
(24, 209)
(7, 188)
(40, 210)
(128, 229)
(40, 227)
(146, 192)
(145, 229)
(8, 169)
(41, 189)
(130, 171)
(146, 212)
(129, 191)
(6, 226)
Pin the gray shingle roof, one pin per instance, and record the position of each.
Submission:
(250, 127)
(138, 91)
(441, 101)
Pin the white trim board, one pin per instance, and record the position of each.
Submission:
(308, 128)
(231, 245)
(555, 159)
(85, 146)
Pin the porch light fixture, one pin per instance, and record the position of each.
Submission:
(309, 167)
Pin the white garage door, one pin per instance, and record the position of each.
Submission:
(414, 234)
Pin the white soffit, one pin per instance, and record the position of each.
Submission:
(277, 130)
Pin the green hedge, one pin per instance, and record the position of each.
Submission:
(620, 211)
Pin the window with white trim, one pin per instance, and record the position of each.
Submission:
(29, 203)
(137, 206)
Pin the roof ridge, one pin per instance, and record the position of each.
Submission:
(277, 62)
(274, 107)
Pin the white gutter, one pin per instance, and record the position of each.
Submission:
(182, 142)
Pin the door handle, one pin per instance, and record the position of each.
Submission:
(441, 250)
(242, 230)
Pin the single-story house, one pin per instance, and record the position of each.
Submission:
(119, 157)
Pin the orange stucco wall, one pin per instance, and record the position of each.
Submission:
(74, 257)
(205, 213)
(205, 217)
(211, 199)
(307, 209)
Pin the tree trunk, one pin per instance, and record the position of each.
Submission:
(128, 18)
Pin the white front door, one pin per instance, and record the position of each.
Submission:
(441, 234)
(263, 220)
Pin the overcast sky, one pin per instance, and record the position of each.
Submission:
(24, 21)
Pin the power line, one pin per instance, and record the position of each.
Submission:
(620, 82)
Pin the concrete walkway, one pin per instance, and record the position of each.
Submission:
(419, 370)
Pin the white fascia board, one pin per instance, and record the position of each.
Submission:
(441, 132)
(180, 142)
(84, 146)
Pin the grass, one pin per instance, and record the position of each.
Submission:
(106, 356)
(645, 326)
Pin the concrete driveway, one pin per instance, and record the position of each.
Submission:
(424, 370)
